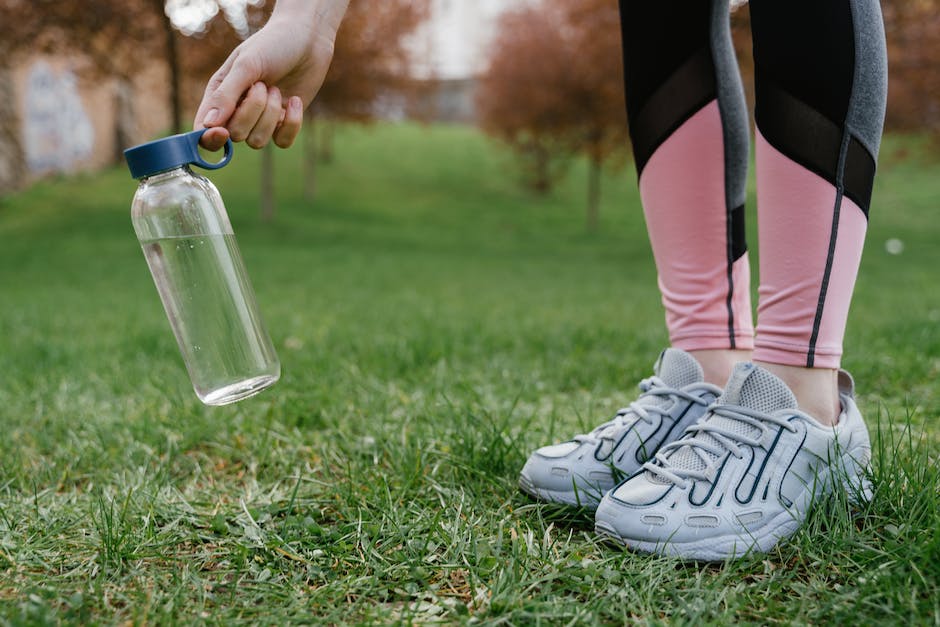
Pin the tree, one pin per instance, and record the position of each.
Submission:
(520, 100)
(113, 36)
(173, 64)
(596, 87)
(114, 39)
(371, 65)
(912, 28)
(554, 88)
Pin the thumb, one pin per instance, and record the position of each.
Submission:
(225, 89)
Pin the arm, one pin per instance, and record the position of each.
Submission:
(261, 90)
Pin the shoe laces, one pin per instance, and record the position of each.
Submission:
(725, 429)
(656, 399)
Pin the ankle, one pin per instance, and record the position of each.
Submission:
(816, 389)
(718, 363)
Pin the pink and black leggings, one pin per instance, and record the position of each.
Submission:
(821, 85)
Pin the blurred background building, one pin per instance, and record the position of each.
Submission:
(68, 122)
(451, 51)
(452, 43)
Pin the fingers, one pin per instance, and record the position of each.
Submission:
(267, 122)
(200, 120)
(238, 75)
(248, 112)
(287, 132)
(214, 138)
(259, 117)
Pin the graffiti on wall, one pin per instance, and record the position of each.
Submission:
(57, 133)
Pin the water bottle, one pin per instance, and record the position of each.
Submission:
(190, 247)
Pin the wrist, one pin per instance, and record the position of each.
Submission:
(324, 15)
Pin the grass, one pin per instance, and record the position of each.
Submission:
(435, 324)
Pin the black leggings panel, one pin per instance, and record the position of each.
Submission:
(821, 83)
(668, 68)
(820, 76)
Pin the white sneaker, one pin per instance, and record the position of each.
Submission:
(741, 479)
(579, 472)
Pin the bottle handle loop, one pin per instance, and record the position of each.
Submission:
(194, 136)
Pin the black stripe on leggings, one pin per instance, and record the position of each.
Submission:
(830, 255)
(737, 246)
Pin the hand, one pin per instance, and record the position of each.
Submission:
(261, 90)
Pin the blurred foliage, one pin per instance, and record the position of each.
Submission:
(554, 89)
(114, 36)
(372, 60)
(554, 84)
(106, 38)
(913, 31)
(371, 67)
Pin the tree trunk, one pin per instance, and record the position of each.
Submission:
(11, 150)
(309, 154)
(543, 178)
(172, 60)
(594, 193)
(539, 178)
(326, 142)
(125, 125)
(268, 205)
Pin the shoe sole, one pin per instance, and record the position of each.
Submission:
(762, 540)
(714, 549)
(572, 498)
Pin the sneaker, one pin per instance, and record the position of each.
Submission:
(743, 478)
(579, 472)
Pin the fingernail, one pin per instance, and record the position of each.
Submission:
(211, 117)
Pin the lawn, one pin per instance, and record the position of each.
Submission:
(435, 323)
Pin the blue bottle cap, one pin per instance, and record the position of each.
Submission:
(171, 152)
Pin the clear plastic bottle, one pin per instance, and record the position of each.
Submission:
(190, 247)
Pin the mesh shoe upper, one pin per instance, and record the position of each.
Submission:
(741, 478)
(581, 470)
(762, 393)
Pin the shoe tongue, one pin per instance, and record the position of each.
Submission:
(678, 369)
(755, 388)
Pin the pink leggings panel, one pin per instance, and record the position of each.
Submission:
(683, 192)
(797, 325)
(806, 282)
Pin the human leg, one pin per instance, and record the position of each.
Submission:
(746, 475)
(689, 130)
(820, 109)
(688, 125)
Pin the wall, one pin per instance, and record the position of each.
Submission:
(70, 122)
